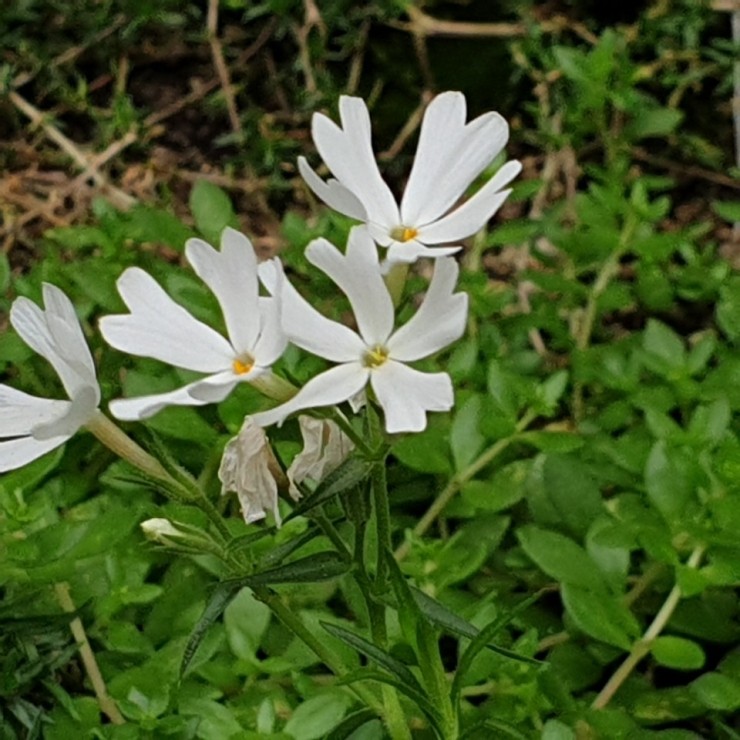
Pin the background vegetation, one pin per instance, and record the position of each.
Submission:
(592, 457)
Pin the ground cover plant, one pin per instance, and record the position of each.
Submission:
(486, 492)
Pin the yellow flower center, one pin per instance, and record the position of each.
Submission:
(403, 234)
(242, 365)
(375, 357)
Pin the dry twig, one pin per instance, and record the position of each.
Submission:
(222, 69)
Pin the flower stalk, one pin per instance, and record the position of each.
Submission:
(642, 647)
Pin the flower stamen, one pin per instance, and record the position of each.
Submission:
(243, 364)
(404, 233)
(375, 357)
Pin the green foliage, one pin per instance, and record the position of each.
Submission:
(590, 466)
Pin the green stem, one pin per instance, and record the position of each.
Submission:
(642, 647)
(435, 678)
(608, 270)
(460, 479)
(295, 624)
(275, 387)
(395, 279)
(328, 528)
(379, 485)
(205, 504)
(341, 421)
(395, 719)
(116, 440)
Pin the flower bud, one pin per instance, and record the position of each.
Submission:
(162, 531)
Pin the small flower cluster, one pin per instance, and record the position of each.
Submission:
(263, 311)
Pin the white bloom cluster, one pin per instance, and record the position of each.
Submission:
(371, 362)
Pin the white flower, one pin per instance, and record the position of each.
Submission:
(158, 327)
(450, 155)
(249, 469)
(325, 448)
(31, 426)
(376, 354)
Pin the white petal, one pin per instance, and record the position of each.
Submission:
(19, 412)
(440, 135)
(440, 320)
(472, 215)
(158, 327)
(358, 276)
(449, 157)
(411, 251)
(77, 413)
(272, 340)
(208, 390)
(308, 329)
(65, 329)
(16, 453)
(407, 394)
(215, 388)
(332, 192)
(30, 323)
(348, 153)
(327, 389)
(67, 352)
(231, 274)
(381, 234)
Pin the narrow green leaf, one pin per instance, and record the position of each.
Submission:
(482, 640)
(353, 471)
(446, 619)
(220, 599)
(278, 553)
(353, 722)
(409, 613)
(412, 692)
(381, 657)
(320, 566)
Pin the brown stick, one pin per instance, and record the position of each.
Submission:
(222, 69)
(119, 198)
(105, 701)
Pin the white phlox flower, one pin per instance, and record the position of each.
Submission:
(31, 426)
(249, 469)
(449, 156)
(159, 328)
(325, 448)
(375, 354)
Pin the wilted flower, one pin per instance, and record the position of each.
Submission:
(159, 328)
(325, 448)
(249, 469)
(33, 426)
(376, 354)
(450, 155)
